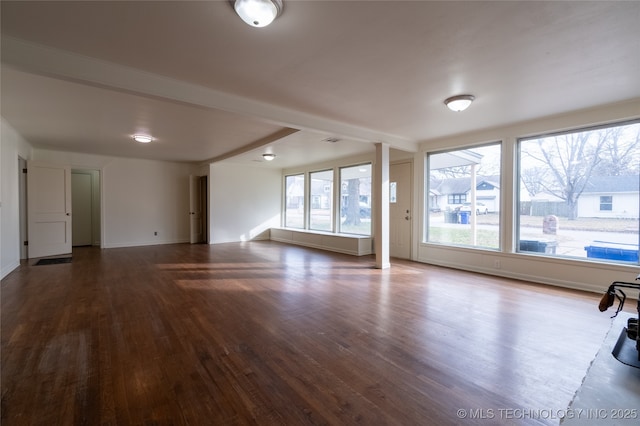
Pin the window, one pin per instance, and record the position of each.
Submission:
(294, 201)
(355, 199)
(464, 197)
(606, 203)
(567, 185)
(456, 198)
(320, 216)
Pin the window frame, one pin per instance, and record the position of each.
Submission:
(430, 209)
(331, 201)
(286, 200)
(608, 203)
(518, 199)
(339, 223)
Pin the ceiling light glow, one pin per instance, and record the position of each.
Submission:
(459, 103)
(142, 138)
(258, 13)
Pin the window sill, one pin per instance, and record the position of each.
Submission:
(356, 245)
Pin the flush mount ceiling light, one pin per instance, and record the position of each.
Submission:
(142, 138)
(459, 103)
(257, 13)
(268, 156)
(331, 140)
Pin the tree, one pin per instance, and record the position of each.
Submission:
(532, 179)
(620, 153)
(452, 172)
(353, 203)
(569, 160)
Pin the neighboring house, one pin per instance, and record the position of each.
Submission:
(610, 197)
(448, 194)
(602, 197)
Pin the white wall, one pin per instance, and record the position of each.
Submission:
(244, 202)
(139, 197)
(580, 274)
(625, 205)
(12, 146)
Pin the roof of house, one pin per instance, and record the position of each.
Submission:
(463, 185)
(613, 184)
(596, 184)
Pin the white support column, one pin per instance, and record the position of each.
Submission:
(381, 203)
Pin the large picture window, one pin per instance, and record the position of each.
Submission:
(567, 186)
(355, 199)
(321, 193)
(463, 202)
(294, 201)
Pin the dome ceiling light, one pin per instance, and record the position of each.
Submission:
(459, 103)
(269, 156)
(331, 140)
(142, 138)
(258, 13)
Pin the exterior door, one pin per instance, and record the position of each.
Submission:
(400, 215)
(48, 209)
(195, 210)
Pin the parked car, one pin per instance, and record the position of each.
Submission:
(466, 207)
(365, 210)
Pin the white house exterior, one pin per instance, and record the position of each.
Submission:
(610, 197)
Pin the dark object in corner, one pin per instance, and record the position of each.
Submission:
(627, 349)
(53, 261)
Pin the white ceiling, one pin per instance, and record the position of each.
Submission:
(85, 76)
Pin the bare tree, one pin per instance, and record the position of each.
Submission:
(452, 172)
(620, 154)
(353, 202)
(570, 160)
(532, 180)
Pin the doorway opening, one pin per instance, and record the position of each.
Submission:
(85, 205)
(198, 209)
(22, 202)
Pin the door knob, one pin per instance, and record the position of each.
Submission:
(406, 217)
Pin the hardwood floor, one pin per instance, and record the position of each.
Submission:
(265, 333)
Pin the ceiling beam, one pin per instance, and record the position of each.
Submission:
(62, 64)
(256, 144)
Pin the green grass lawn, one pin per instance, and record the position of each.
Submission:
(484, 238)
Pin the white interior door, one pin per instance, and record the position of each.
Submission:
(400, 215)
(195, 210)
(48, 209)
(81, 205)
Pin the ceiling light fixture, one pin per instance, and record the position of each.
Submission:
(459, 103)
(268, 156)
(332, 140)
(142, 138)
(258, 13)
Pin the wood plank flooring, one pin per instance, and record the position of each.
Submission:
(265, 333)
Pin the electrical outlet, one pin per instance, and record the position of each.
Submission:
(155, 233)
(497, 264)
